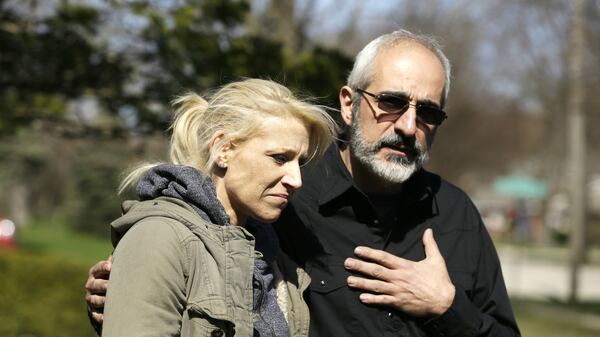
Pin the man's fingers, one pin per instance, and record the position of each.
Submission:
(98, 317)
(379, 256)
(378, 299)
(372, 286)
(373, 270)
(431, 247)
(95, 301)
(101, 270)
(96, 286)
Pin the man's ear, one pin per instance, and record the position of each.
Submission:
(346, 104)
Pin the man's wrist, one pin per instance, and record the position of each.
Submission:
(462, 318)
(447, 298)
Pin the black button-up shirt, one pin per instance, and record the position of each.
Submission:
(328, 217)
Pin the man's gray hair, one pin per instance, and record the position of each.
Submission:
(363, 71)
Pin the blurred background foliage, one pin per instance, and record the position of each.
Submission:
(85, 85)
(85, 89)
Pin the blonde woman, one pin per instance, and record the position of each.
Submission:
(196, 256)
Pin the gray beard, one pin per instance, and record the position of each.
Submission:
(393, 169)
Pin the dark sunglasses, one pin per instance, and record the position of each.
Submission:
(393, 106)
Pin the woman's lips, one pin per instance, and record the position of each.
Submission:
(280, 196)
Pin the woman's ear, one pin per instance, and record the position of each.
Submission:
(346, 104)
(220, 154)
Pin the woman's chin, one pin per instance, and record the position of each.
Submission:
(268, 217)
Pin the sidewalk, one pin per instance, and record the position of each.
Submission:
(530, 276)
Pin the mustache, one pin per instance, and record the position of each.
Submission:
(407, 144)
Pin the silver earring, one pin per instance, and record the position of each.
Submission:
(221, 164)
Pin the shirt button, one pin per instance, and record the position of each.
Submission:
(389, 314)
(322, 283)
(376, 222)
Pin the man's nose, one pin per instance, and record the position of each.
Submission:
(407, 123)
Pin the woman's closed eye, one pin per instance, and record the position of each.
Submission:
(280, 159)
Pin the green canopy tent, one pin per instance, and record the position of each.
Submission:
(521, 187)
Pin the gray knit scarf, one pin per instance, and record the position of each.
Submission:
(192, 186)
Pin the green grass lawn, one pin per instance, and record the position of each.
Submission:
(42, 281)
(548, 319)
(53, 238)
(42, 295)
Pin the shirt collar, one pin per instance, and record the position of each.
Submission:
(338, 181)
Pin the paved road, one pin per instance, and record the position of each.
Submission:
(530, 277)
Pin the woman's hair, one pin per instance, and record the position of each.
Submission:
(238, 109)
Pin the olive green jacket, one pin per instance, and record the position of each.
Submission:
(175, 274)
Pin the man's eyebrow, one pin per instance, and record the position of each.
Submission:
(395, 93)
(428, 102)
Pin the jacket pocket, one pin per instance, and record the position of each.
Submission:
(327, 275)
(198, 323)
(329, 292)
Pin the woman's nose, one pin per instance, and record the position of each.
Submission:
(292, 178)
